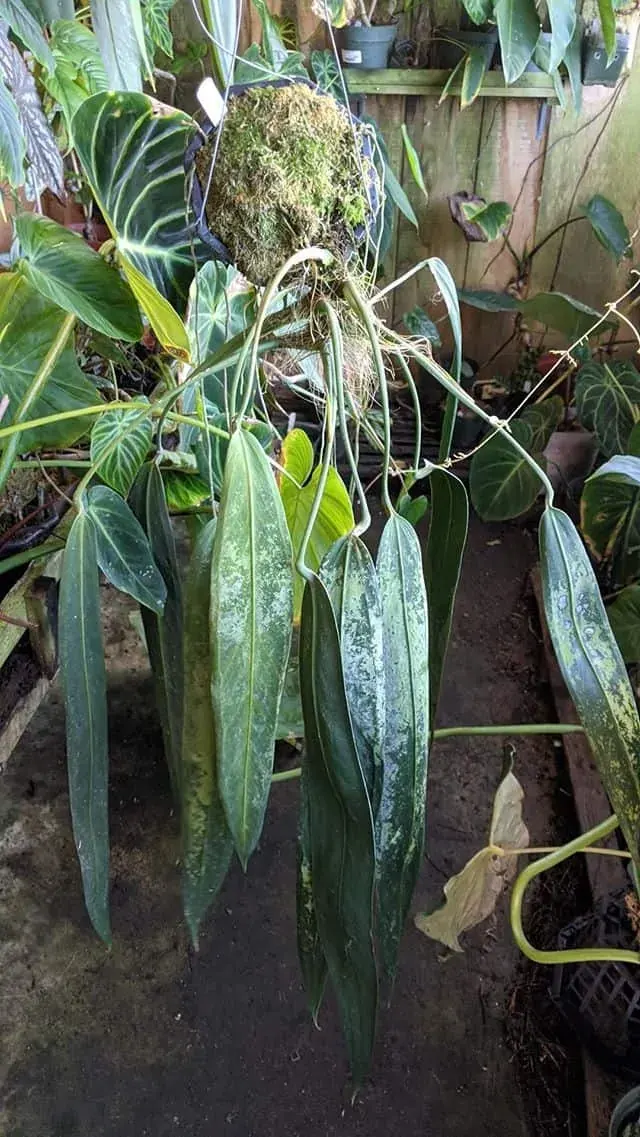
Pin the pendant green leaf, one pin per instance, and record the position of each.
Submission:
(207, 843)
(123, 550)
(448, 525)
(163, 633)
(349, 576)
(401, 817)
(251, 617)
(341, 829)
(593, 668)
(84, 682)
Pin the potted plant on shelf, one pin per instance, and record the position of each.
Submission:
(370, 28)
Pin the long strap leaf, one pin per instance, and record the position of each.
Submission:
(84, 682)
(448, 525)
(251, 618)
(401, 817)
(349, 576)
(341, 829)
(163, 633)
(593, 668)
(207, 843)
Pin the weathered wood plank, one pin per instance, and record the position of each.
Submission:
(447, 141)
(509, 169)
(21, 716)
(406, 81)
(593, 152)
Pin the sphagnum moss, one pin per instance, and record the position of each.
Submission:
(288, 174)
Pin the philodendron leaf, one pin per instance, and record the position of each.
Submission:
(608, 402)
(44, 168)
(413, 159)
(488, 301)
(564, 314)
(120, 442)
(479, 10)
(562, 15)
(501, 482)
(401, 816)
(518, 29)
(79, 71)
(221, 305)
(163, 633)
(123, 549)
(69, 273)
(207, 843)
(349, 576)
(607, 13)
(448, 525)
(472, 894)
(12, 148)
(115, 23)
(165, 322)
(339, 12)
(133, 158)
(251, 618)
(624, 617)
(592, 668)
(85, 694)
(475, 69)
(342, 848)
(492, 218)
(610, 517)
(26, 28)
(418, 323)
(609, 227)
(298, 487)
(28, 326)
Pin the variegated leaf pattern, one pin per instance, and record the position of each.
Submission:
(45, 169)
(119, 446)
(133, 158)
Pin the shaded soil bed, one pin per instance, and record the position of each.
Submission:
(148, 1039)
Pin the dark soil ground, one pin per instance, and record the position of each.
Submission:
(148, 1040)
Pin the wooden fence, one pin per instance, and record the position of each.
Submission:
(518, 148)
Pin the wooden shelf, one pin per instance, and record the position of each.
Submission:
(423, 81)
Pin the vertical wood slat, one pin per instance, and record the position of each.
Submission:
(492, 147)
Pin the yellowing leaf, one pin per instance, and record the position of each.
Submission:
(297, 489)
(471, 895)
(165, 321)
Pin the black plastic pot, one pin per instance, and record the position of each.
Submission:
(219, 250)
(455, 45)
(625, 1119)
(601, 1001)
(595, 72)
(368, 48)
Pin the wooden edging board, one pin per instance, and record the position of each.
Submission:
(606, 874)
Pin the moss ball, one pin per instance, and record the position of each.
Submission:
(289, 173)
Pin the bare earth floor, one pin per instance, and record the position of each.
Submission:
(148, 1039)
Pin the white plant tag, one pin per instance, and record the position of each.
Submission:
(211, 101)
(351, 56)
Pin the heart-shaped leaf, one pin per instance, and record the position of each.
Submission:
(133, 158)
(610, 517)
(28, 326)
(66, 271)
(120, 442)
(609, 226)
(608, 402)
(502, 483)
